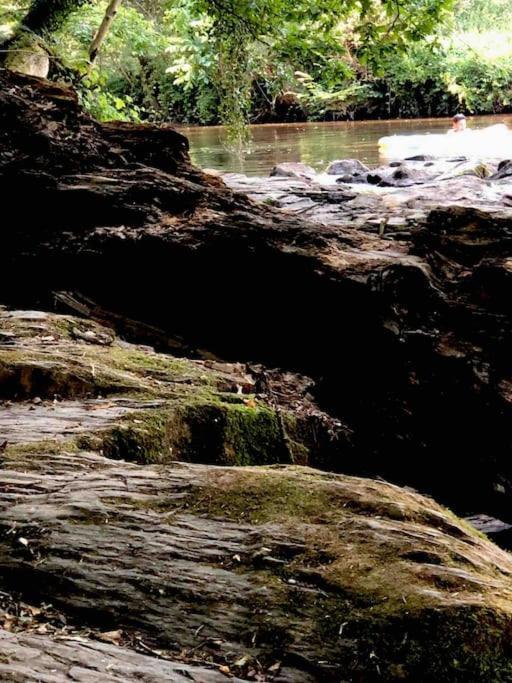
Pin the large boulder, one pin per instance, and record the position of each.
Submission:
(347, 167)
(293, 169)
(28, 56)
(272, 574)
(410, 327)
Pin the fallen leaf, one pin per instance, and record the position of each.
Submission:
(110, 636)
(242, 661)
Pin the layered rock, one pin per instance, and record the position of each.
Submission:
(391, 346)
(72, 382)
(404, 332)
(175, 572)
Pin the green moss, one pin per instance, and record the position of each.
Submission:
(233, 434)
(48, 447)
(455, 644)
(381, 612)
(148, 362)
(141, 437)
(62, 325)
(459, 643)
(206, 430)
(262, 497)
(198, 422)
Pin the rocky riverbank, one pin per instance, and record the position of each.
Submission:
(160, 517)
(395, 197)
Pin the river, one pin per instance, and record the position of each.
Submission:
(315, 144)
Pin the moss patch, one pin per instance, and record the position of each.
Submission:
(141, 437)
(389, 580)
(49, 447)
(204, 417)
(206, 430)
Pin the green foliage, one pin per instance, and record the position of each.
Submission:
(478, 70)
(10, 15)
(469, 70)
(483, 15)
(211, 60)
(207, 61)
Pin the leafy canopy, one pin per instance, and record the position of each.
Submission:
(233, 44)
(381, 26)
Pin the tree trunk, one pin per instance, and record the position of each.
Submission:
(103, 30)
(47, 16)
(25, 51)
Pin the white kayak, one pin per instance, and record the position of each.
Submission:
(494, 142)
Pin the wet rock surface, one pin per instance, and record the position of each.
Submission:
(292, 169)
(353, 169)
(397, 196)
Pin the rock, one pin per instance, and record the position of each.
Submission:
(219, 413)
(401, 174)
(28, 57)
(351, 167)
(345, 179)
(420, 157)
(392, 342)
(293, 169)
(500, 532)
(239, 568)
(423, 306)
(33, 657)
(504, 170)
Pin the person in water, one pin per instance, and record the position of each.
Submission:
(459, 123)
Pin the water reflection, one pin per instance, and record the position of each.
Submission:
(315, 144)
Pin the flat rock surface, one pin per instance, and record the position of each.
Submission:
(32, 658)
(323, 199)
(26, 422)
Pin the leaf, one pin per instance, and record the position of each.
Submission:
(110, 636)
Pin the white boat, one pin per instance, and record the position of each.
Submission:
(494, 142)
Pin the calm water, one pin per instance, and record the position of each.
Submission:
(315, 144)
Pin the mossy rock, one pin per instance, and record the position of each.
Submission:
(28, 56)
(183, 409)
(207, 431)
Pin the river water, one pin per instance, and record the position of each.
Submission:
(315, 144)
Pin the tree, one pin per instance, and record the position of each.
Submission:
(380, 26)
(100, 36)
